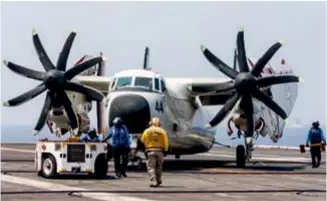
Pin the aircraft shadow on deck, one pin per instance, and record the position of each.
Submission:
(182, 165)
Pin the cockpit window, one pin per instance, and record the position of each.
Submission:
(124, 81)
(156, 84)
(145, 82)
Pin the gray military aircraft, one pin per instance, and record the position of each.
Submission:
(259, 98)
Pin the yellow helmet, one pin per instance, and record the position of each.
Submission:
(155, 121)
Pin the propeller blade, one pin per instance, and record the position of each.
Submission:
(46, 62)
(91, 93)
(220, 65)
(270, 103)
(234, 60)
(26, 96)
(44, 113)
(272, 80)
(68, 107)
(262, 62)
(241, 54)
(213, 88)
(37, 75)
(82, 67)
(62, 60)
(225, 110)
(248, 111)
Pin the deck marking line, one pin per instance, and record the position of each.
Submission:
(59, 187)
(290, 159)
(227, 195)
(18, 150)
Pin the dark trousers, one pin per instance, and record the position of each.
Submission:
(120, 159)
(315, 154)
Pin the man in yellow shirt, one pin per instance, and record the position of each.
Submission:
(155, 140)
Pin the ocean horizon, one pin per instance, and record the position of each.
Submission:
(292, 136)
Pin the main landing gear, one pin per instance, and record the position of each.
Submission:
(244, 153)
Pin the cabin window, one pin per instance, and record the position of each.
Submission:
(163, 86)
(144, 82)
(156, 84)
(124, 82)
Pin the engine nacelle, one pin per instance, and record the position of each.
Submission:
(59, 119)
(239, 121)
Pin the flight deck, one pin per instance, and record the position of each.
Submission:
(272, 175)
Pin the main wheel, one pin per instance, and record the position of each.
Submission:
(240, 156)
(49, 167)
(101, 166)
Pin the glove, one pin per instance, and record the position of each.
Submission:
(146, 154)
(307, 145)
(165, 153)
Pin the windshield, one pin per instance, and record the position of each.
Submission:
(124, 81)
(145, 82)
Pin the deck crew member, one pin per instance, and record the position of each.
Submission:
(155, 140)
(91, 136)
(120, 146)
(315, 137)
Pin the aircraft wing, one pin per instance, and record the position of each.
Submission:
(198, 87)
(100, 83)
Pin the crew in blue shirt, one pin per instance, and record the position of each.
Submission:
(315, 137)
(120, 146)
(90, 137)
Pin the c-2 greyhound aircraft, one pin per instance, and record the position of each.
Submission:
(257, 104)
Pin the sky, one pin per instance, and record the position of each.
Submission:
(174, 32)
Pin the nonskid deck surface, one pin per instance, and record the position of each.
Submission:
(273, 175)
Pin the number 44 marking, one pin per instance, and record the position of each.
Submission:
(159, 106)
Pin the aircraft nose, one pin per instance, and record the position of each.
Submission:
(134, 111)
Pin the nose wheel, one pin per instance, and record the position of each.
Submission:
(240, 156)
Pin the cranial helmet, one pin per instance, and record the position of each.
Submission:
(92, 132)
(315, 124)
(117, 121)
(155, 121)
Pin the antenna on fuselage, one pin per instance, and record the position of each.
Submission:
(146, 57)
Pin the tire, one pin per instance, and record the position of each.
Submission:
(49, 167)
(101, 166)
(240, 156)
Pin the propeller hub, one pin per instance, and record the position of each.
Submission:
(245, 83)
(55, 79)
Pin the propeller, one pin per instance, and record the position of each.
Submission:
(247, 83)
(55, 81)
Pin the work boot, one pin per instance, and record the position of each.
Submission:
(153, 185)
(124, 174)
(118, 175)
